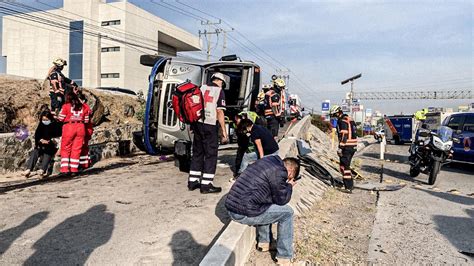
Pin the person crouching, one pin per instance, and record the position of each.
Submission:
(259, 197)
(75, 115)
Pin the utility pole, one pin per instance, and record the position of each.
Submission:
(207, 33)
(224, 45)
(285, 75)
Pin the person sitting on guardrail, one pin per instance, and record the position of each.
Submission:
(260, 197)
(45, 146)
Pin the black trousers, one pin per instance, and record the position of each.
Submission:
(47, 155)
(205, 148)
(345, 166)
(273, 125)
(243, 145)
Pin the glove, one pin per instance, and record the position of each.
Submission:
(339, 152)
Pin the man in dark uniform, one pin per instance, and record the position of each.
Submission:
(346, 131)
(205, 143)
(60, 84)
(273, 108)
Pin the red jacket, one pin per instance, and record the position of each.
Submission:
(68, 114)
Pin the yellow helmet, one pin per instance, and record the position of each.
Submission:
(279, 83)
(334, 110)
(261, 96)
(59, 62)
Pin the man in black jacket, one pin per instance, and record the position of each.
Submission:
(259, 197)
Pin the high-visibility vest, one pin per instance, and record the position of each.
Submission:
(346, 129)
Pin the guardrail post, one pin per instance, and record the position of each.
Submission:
(382, 147)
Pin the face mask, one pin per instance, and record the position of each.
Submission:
(46, 122)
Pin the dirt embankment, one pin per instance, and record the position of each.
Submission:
(21, 101)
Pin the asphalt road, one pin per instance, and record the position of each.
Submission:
(129, 211)
(421, 224)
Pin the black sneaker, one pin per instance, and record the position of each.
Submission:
(193, 185)
(206, 189)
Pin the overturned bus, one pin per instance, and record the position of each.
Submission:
(162, 132)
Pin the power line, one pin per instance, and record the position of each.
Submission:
(45, 21)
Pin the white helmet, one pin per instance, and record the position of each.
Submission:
(219, 76)
(59, 62)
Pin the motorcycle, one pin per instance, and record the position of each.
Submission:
(430, 151)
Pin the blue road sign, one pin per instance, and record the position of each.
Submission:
(325, 106)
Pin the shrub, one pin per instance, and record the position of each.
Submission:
(323, 125)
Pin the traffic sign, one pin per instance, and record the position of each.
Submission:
(355, 107)
(325, 106)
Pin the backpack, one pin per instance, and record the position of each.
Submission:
(188, 103)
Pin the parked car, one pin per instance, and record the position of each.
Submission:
(462, 125)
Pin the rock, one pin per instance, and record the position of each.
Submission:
(128, 110)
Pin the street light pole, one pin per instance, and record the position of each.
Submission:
(351, 97)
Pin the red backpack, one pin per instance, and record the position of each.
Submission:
(188, 103)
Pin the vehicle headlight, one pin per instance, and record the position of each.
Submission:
(438, 143)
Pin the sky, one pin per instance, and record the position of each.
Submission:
(396, 45)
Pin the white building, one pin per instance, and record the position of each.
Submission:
(108, 59)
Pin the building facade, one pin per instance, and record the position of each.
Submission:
(102, 42)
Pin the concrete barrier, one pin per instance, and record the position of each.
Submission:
(236, 242)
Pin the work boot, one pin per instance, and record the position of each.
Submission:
(206, 189)
(40, 172)
(193, 185)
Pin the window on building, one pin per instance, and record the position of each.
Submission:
(110, 22)
(110, 49)
(76, 47)
(110, 75)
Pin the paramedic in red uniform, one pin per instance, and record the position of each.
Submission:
(75, 115)
(346, 130)
(205, 143)
(85, 159)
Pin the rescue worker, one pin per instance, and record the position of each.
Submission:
(85, 159)
(205, 143)
(245, 148)
(60, 85)
(346, 131)
(75, 115)
(273, 109)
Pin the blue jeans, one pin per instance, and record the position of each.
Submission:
(250, 158)
(283, 215)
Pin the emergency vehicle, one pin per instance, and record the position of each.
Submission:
(400, 128)
(162, 133)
